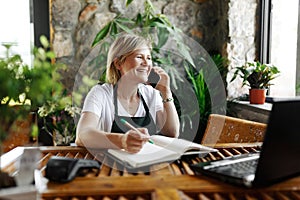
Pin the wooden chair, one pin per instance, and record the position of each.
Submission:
(225, 129)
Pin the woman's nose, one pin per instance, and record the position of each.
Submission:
(145, 61)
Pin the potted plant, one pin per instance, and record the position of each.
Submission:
(258, 77)
(57, 121)
(23, 90)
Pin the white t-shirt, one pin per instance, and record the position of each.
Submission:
(100, 101)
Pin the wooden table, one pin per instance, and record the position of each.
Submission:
(172, 181)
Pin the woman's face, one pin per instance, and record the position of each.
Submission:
(138, 65)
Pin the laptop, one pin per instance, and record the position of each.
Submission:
(278, 159)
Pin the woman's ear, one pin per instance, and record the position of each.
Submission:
(117, 64)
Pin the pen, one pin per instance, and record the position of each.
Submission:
(133, 128)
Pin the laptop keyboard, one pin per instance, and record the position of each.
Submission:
(243, 168)
(238, 169)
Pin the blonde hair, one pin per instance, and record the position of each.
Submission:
(120, 49)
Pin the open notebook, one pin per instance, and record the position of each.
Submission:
(164, 149)
(278, 159)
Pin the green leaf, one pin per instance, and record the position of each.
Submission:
(124, 28)
(163, 36)
(114, 29)
(159, 25)
(44, 41)
(149, 3)
(34, 130)
(124, 20)
(102, 34)
(50, 54)
(185, 53)
(164, 19)
(128, 2)
(139, 19)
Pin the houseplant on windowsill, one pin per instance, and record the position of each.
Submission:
(258, 77)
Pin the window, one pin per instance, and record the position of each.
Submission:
(283, 45)
(23, 29)
(16, 28)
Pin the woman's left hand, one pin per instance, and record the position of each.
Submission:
(163, 84)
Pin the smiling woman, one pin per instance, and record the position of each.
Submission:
(127, 95)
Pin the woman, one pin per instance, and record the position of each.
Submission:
(126, 96)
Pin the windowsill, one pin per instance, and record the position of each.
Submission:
(253, 112)
(266, 106)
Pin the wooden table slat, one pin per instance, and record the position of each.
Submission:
(175, 180)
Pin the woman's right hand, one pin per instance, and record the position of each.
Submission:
(133, 141)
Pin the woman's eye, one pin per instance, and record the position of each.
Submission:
(141, 57)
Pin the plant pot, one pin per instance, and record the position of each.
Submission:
(17, 133)
(257, 96)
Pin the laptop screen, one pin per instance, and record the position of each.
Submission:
(280, 153)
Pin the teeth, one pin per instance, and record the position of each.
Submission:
(141, 70)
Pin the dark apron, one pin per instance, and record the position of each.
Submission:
(138, 122)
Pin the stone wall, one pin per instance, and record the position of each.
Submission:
(243, 41)
(226, 27)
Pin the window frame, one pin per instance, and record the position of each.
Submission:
(265, 31)
(41, 19)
